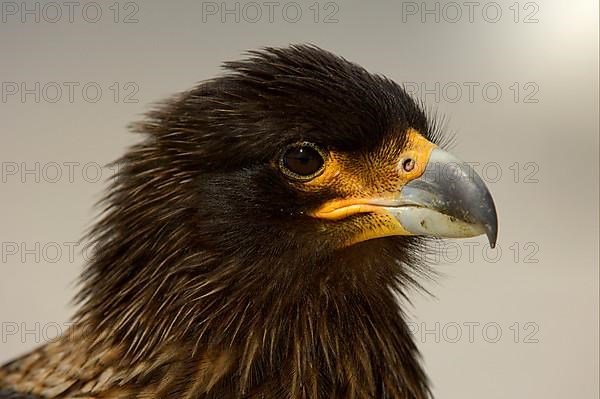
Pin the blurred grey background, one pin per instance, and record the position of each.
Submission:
(517, 81)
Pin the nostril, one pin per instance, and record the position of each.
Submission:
(408, 164)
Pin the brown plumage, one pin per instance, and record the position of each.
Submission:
(213, 278)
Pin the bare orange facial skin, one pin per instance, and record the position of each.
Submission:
(378, 178)
(364, 181)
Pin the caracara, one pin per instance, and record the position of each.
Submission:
(258, 241)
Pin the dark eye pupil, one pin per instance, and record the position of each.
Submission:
(303, 160)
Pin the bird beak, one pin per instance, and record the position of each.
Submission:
(441, 197)
(448, 200)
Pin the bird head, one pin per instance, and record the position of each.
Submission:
(296, 151)
(296, 174)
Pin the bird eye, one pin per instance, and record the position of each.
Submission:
(302, 161)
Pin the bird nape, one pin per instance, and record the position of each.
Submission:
(257, 240)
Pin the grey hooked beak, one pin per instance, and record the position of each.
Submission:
(448, 200)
